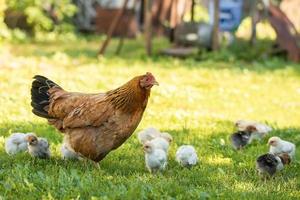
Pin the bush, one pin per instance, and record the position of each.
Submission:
(239, 50)
(3, 29)
(45, 15)
(2, 8)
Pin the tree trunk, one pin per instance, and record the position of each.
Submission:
(148, 26)
(215, 38)
(193, 11)
(113, 27)
(253, 22)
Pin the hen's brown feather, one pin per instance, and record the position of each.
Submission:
(95, 124)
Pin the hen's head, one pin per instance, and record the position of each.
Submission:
(147, 81)
(274, 141)
(32, 140)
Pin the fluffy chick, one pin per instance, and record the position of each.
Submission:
(186, 156)
(269, 164)
(38, 147)
(166, 136)
(259, 130)
(160, 143)
(285, 158)
(240, 139)
(279, 146)
(16, 143)
(148, 134)
(68, 153)
(155, 158)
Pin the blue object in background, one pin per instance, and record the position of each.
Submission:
(230, 14)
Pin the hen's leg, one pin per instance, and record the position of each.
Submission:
(101, 157)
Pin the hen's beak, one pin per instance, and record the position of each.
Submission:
(155, 83)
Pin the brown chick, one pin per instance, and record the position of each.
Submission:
(285, 158)
(93, 124)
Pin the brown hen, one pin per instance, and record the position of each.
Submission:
(93, 124)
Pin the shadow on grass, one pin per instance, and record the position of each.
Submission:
(208, 145)
(181, 136)
(221, 173)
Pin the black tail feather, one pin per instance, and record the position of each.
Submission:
(40, 95)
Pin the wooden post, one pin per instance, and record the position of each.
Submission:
(253, 22)
(215, 37)
(122, 38)
(193, 11)
(148, 26)
(113, 27)
(120, 45)
(173, 19)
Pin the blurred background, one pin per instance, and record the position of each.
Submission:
(217, 61)
(241, 29)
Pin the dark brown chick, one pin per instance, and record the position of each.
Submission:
(240, 139)
(93, 124)
(285, 158)
(268, 164)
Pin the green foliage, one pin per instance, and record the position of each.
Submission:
(263, 28)
(2, 9)
(197, 102)
(200, 14)
(239, 50)
(3, 29)
(46, 15)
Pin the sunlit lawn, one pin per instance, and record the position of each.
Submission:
(197, 102)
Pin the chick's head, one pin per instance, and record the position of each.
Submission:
(32, 140)
(148, 147)
(274, 141)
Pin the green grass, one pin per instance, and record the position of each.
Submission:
(197, 102)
